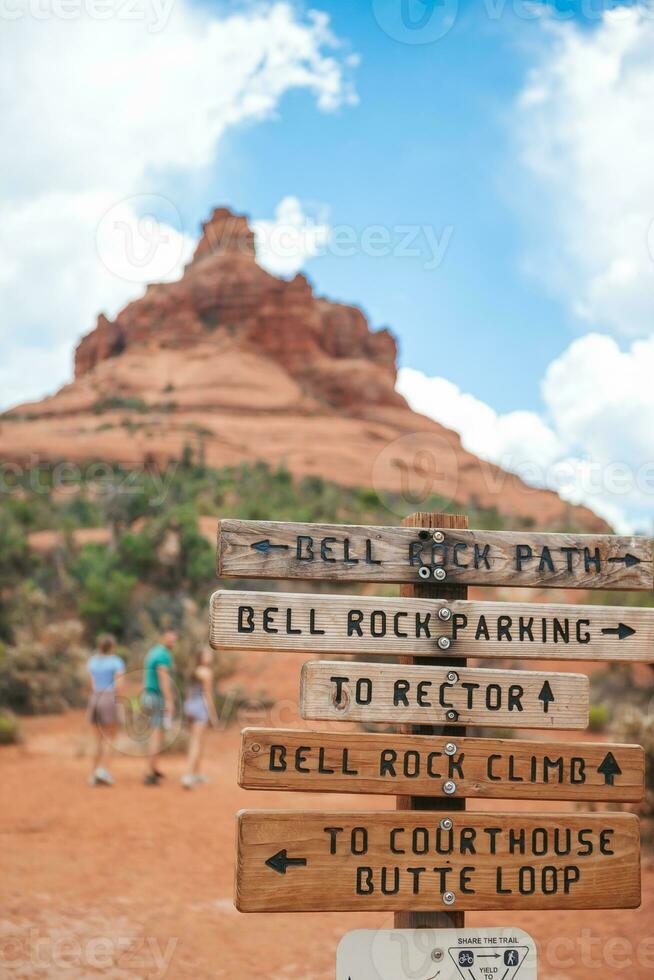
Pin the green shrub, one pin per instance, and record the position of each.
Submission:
(44, 675)
(598, 718)
(9, 728)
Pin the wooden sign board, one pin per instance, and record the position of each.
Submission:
(436, 766)
(274, 621)
(267, 549)
(446, 954)
(417, 695)
(293, 861)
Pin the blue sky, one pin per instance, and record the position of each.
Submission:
(508, 145)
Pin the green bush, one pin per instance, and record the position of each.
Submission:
(44, 675)
(9, 728)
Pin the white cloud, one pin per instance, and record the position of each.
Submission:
(95, 117)
(594, 442)
(584, 121)
(285, 242)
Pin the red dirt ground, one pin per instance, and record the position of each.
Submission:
(136, 882)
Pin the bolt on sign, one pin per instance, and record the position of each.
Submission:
(273, 621)
(437, 766)
(425, 695)
(446, 954)
(324, 861)
(268, 549)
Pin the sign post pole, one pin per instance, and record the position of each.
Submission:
(422, 519)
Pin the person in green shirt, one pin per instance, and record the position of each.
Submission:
(158, 699)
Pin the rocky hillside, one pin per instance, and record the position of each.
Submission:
(244, 366)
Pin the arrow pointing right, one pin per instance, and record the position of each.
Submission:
(546, 696)
(622, 631)
(609, 768)
(628, 560)
(280, 862)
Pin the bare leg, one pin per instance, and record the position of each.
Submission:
(98, 748)
(195, 748)
(156, 743)
(106, 738)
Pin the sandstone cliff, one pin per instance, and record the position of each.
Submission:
(249, 367)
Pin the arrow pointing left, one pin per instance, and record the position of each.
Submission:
(265, 546)
(280, 862)
(546, 696)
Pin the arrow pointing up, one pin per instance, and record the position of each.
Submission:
(280, 862)
(265, 546)
(622, 631)
(609, 769)
(628, 560)
(546, 696)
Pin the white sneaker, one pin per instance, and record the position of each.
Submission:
(188, 782)
(200, 778)
(103, 776)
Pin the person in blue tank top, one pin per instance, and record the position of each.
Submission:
(106, 671)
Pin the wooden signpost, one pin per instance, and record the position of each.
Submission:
(430, 860)
(395, 694)
(295, 861)
(434, 766)
(360, 625)
(267, 549)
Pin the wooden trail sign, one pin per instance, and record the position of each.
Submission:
(398, 694)
(389, 627)
(290, 861)
(267, 549)
(356, 762)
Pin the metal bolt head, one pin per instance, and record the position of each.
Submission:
(449, 787)
(444, 642)
(438, 537)
(450, 748)
(437, 955)
(446, 823)
(449, 898)
(452, 677)
(423, 571)
(452, 715)
(255, 747)
(445, 614)
(440, 574)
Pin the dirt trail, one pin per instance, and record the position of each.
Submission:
(137, 882)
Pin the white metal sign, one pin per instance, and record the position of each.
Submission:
(436, 954)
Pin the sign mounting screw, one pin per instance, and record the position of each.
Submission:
(452, 677)
(452, 715)
(444, 643)
(449, 787)
(440, 574)
(449, 898)
(423, 571)
(438, 537)
(446, 823)
(450, 748)
(445, 613)
(437, 955)
(255, 747)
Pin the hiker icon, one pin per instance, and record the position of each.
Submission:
(511, 957)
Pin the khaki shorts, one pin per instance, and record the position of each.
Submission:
(103, 710)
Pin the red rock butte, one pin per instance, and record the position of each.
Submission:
(249, 367)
